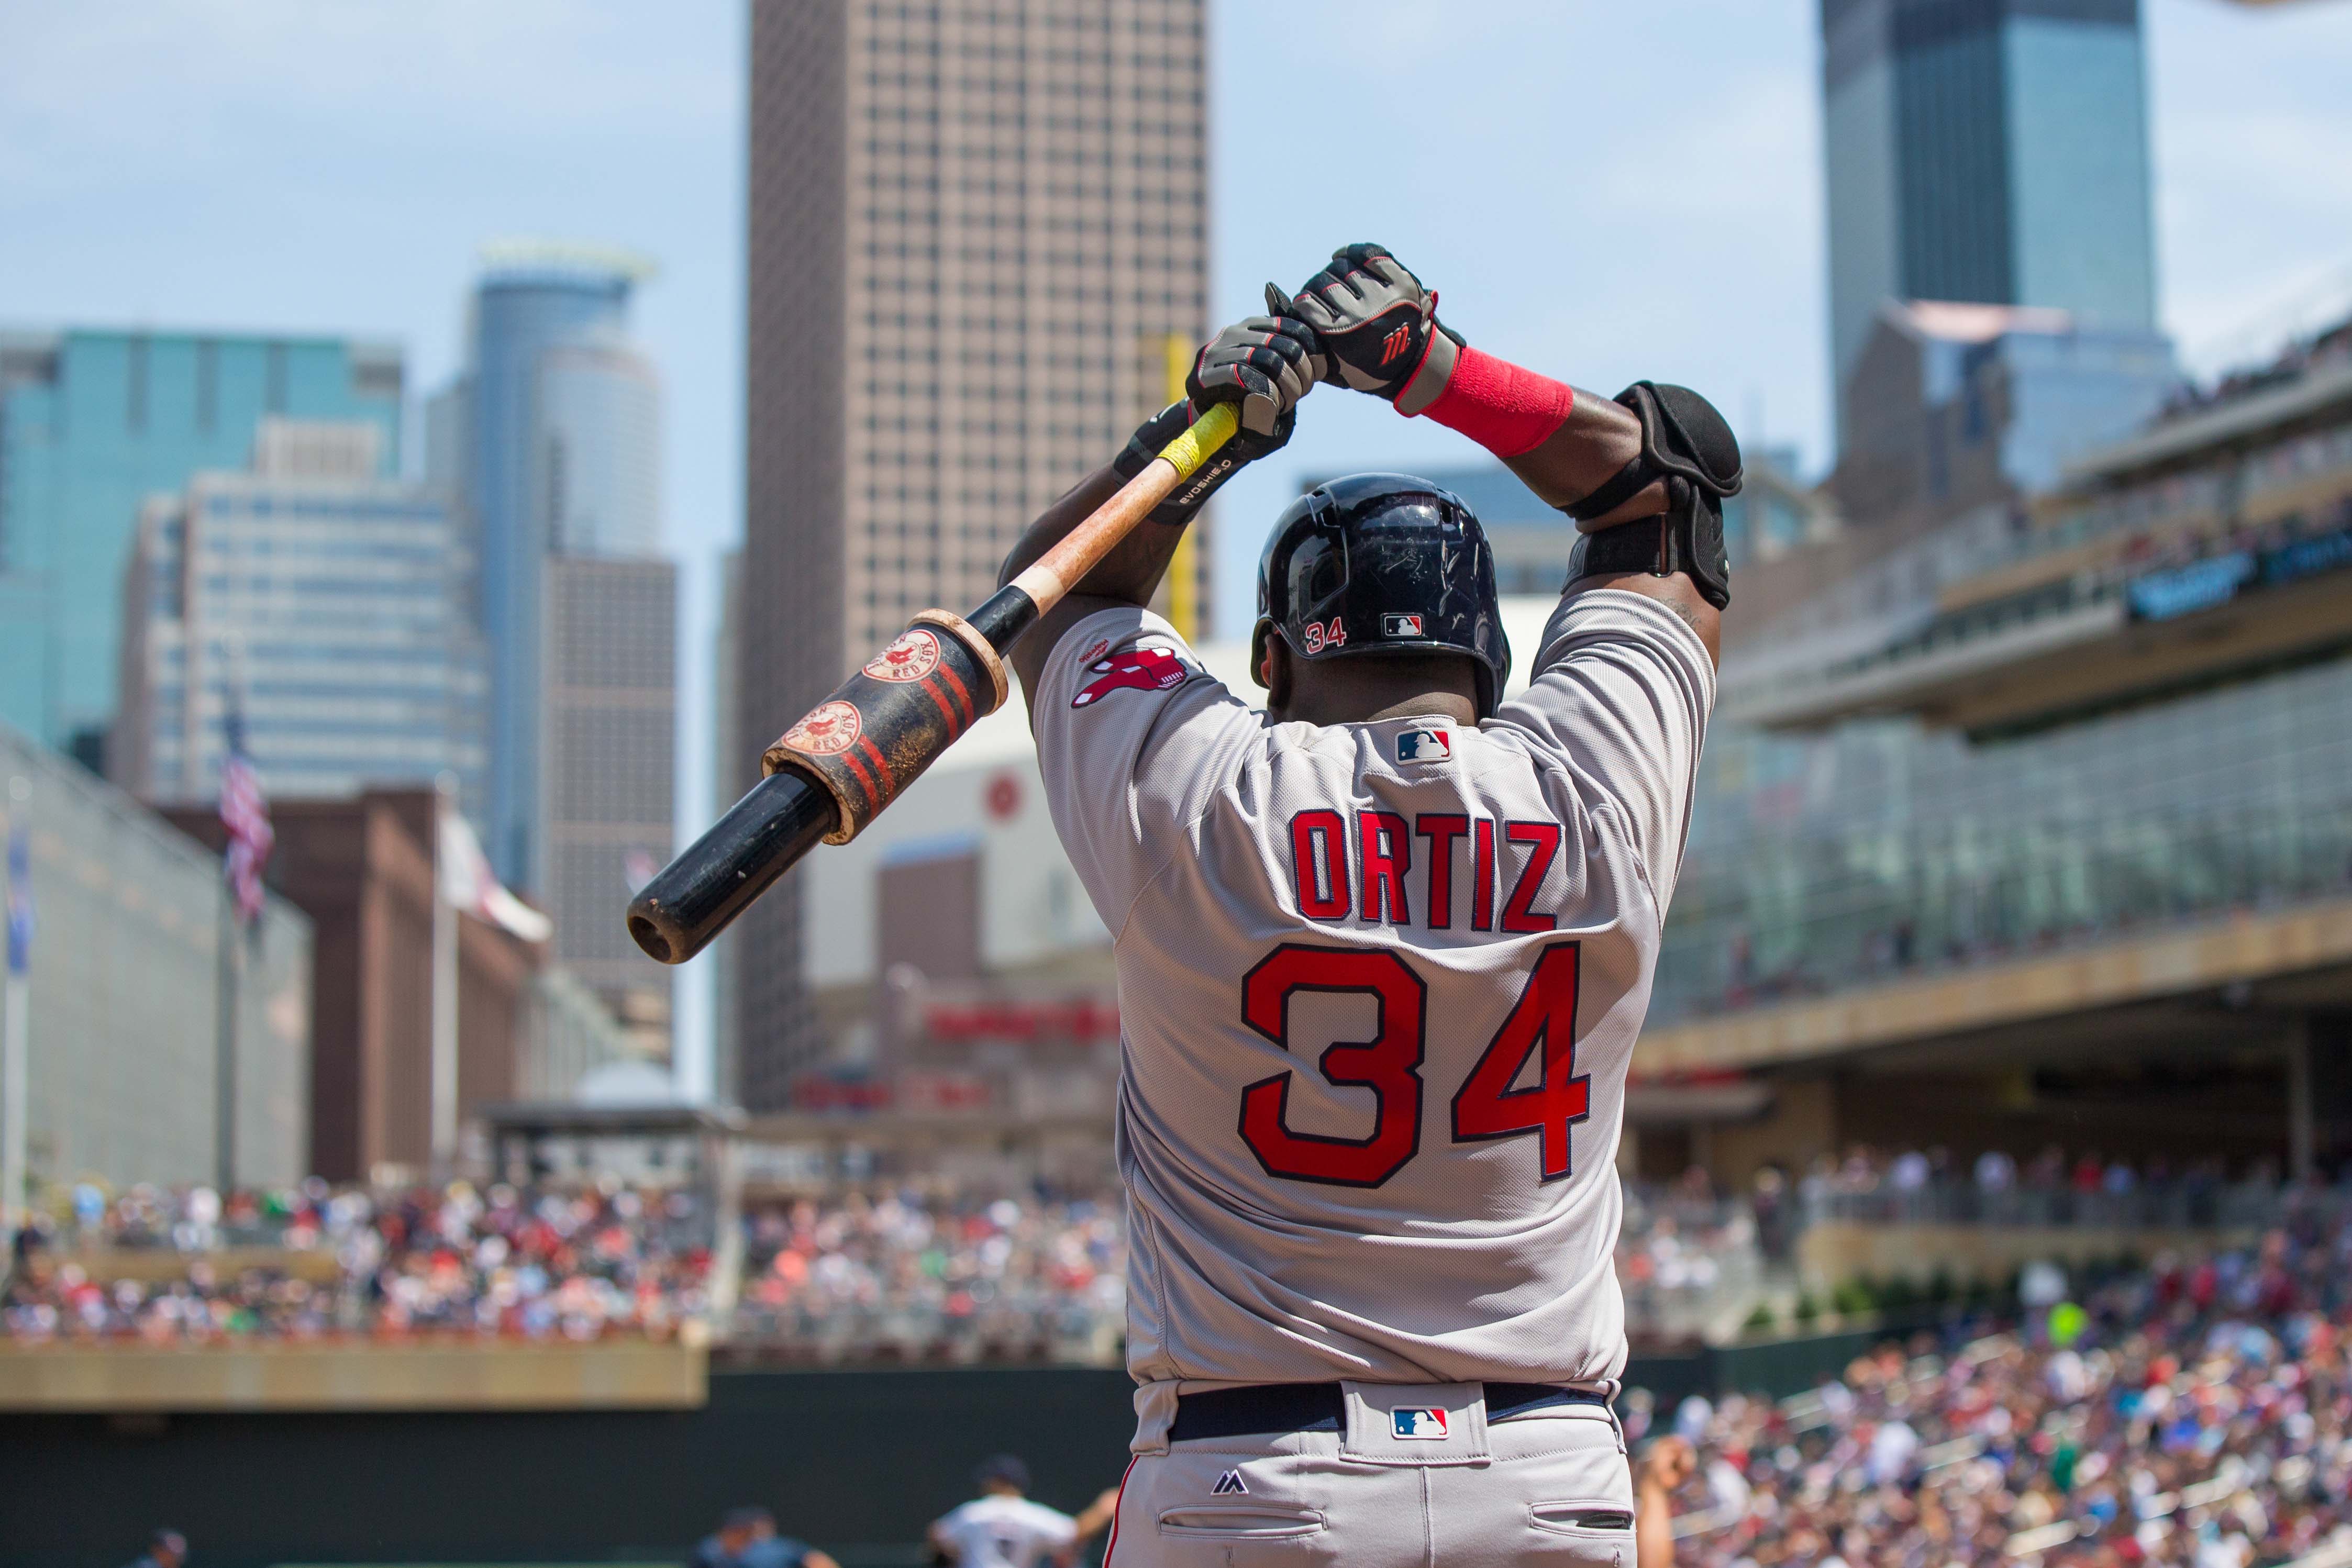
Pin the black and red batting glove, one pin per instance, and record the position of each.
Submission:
(1263, 366)
(1378, 327)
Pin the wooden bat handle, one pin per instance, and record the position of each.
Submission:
(1049, 578)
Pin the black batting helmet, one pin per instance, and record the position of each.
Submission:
(1381, 564)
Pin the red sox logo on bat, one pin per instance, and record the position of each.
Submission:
(915, 654)
(1138, 670)
(828, 728)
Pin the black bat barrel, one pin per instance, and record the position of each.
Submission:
(691, 900)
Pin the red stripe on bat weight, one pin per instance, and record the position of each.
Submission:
(955, 724)
(865, 782)
(955, 682)
(889, 785)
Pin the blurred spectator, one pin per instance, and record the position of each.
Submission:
(747, 1538)
(165, 1549)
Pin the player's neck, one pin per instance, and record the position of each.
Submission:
(1326, 706)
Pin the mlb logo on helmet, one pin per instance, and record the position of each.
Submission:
(1397, 624)
(1424, 746)
(1426, 1425)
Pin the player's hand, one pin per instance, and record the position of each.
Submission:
(1264, 364)
(1378, 327)
(1667, 1464)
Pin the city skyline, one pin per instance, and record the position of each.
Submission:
(200, 130)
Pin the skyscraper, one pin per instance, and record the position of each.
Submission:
(973, 226)
(551, 438)
(1992, 152)
(93, 421)
(332, 600)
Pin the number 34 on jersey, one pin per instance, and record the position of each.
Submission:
(1490, 1102)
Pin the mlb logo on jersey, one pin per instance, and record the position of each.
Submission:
(1428, 1426)
(1424, 746)
(1399, 625)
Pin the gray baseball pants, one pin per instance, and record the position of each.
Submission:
(1549, 1487)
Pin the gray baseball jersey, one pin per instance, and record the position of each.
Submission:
(1379, 984)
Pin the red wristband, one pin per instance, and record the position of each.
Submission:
(1503, 408)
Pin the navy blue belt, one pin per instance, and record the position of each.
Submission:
(1321, 1408)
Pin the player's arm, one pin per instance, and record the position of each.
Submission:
(942, 1543)
(1630, 464)
(1096, 1517)
(1666, 1465)
(1264, 364)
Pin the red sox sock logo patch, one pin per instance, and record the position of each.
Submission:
(1423, 1425)
(915, 654)
(831, 727)
(1138, 670)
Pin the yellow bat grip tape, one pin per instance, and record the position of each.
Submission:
(1192, 448)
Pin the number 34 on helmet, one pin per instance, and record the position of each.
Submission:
(1382, 564)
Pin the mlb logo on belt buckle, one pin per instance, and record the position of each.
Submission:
(1426, 1425)
(1399, 625)
(1424, 746)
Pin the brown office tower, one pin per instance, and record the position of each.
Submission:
(975, 227)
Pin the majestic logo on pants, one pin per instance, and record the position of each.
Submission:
(1142, 670)
(1427, 1425)
(1228, 1484)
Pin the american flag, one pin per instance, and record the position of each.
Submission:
(245, 812)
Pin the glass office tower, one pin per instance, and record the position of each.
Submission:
(93, 421)
(1992, 152)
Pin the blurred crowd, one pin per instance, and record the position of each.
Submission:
(2052, 1188)
(2194, 1414)
(188, 1265)
(919, 1274)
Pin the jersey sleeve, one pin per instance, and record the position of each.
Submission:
(1620, 697)
(1133, 737)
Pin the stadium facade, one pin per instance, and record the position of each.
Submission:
(2038, 828)
(128, 1017)
(973, 231)
(94, 421)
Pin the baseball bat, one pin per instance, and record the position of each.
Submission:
(854, 753)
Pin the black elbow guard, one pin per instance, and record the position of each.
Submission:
(1685, 442)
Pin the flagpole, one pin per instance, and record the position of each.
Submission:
(15, 1025)
(231, 953)
(444, 989)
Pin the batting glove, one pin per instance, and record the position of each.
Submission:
(1263, 366)
(1378, 327)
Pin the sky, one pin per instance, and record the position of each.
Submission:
(1605, 191)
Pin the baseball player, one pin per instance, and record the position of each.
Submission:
(1383, 948)
(1001, 1528)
